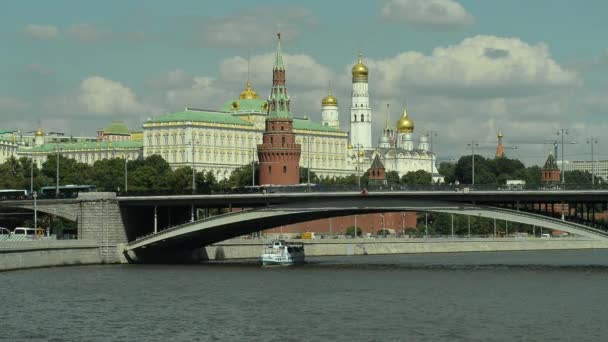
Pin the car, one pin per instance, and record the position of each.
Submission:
(28, 232)
(545, 236)
(4, 231)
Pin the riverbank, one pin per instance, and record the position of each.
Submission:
(46, 253)
(248, 249)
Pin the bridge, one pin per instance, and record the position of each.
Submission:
(148, 226)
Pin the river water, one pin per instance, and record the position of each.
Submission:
(507, 296)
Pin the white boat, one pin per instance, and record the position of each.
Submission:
(280, 252)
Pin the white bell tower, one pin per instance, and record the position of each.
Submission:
(360, 112)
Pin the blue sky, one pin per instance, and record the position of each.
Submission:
(463, 68)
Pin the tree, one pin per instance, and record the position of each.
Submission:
(351, 231)
(392, 178)
(419, 177)
(578, 177)
(151, 173)
(447, 171)
(108, 174)
(241, 177)
(304, 176)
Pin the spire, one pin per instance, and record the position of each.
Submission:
(278, 62)
(386, 124)
(278, 101)
(500, 150)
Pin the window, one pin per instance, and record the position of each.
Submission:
(362, 117)
(271, 140)
(284, 169)
(269, 169)
(283, 139)
(282, 128)
(355, 117)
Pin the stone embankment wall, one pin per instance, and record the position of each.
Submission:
(31, 254)
(246, 249)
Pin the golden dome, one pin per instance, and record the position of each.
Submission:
(500, 136)
(350, 147)
(360, 70)
(329, 100)
(248, 93)
(361, 154)
(39, 132)
(405, 124)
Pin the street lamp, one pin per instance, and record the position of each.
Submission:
(563, 132)
(430, 135)
(253, 166)
(473, 144)
(31, 176)
(358, 146)
(57, 171)
(308, 168)
(591, 141)
(125, 157)
(35, 196)
(192, 142)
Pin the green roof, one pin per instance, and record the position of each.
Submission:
(246, 106)
(6, 132)
(85, 145)
(201, 116)
(307, 124)
(117, 128)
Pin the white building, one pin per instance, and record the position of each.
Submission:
(599, 167)
(360, 112)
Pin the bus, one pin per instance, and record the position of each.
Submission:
(12, 194)
(65, 191)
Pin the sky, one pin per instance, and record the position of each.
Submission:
(463, 68)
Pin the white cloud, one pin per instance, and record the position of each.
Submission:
(253, 28)
(435, 14)
(101, 96)
(177, 78)
(481, 66)
(86, 33)
(42, 32)
(12, 104)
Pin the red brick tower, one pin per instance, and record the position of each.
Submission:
(376, 173)
(279, 154)
(500, 150)
(550, 172)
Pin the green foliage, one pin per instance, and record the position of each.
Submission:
(304, 176)
(447, 171)
(240, 177)
(351, 231)
(419, 177)
(392, 178)
(578, 177)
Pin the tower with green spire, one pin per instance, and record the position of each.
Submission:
(279, 155)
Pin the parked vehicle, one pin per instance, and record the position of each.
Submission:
(28, 232)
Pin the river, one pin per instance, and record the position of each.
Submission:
(507, 296)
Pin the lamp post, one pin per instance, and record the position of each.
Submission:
(57, 171)
(308, 168)
(31, 176)
(591, 141)
(253, 166)
(35, 196)
(125, 157)
(473, 144)
(193, 169)
(431, 133)
(358, 146)
(563, 132)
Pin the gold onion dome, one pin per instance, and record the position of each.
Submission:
(39, 132)
(248, 93)
(405, 124)
(329, 100)
(360, 70)
(500, 136)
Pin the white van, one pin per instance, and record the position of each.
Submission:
(4, 231)
(28, 232)
(545, 236)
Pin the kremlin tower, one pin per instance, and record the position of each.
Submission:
(279, 155)
(500, 150)
(360, 112)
